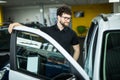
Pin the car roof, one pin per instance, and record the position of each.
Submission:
(108, 21)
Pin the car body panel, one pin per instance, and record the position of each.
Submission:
(14, 75)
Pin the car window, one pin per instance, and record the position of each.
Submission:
(90, 33)
(4, 39)
(35, 55)
(94, 49)
(91, 48)
(111, 58)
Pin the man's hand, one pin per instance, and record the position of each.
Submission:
(11, 26)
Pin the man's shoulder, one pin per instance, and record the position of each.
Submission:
(47, 28)
(71, 30)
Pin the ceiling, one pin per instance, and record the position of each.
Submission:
(46, 2)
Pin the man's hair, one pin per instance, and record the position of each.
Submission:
(64, 9)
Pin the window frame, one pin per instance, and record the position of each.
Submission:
(103, 54)
(46, 36)
(91, 41)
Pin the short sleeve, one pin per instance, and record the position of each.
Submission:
(74, 39)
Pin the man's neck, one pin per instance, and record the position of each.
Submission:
(60, 27)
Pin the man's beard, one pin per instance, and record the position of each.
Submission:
(63, 24)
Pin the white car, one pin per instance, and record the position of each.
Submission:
(34, 55)
(102, 48)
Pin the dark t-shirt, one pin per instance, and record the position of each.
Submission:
(66, 38)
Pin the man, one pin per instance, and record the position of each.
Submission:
(61, 31)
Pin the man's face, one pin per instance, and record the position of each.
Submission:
(64, 20)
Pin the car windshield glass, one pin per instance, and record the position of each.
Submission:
(4, 39)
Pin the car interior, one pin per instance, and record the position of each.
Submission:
(113, 56)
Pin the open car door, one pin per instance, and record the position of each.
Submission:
(34, 55)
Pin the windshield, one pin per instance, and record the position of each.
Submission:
(4, 39)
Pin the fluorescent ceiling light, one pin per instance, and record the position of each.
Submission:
(1, 1)
(114, 0)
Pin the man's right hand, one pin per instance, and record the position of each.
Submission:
(12, 25)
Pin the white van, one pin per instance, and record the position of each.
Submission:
(102, 48)
(34, 55)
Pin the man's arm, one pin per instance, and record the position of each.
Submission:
(76, 51)
(12, 25)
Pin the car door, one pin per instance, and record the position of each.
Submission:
(34, 55)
